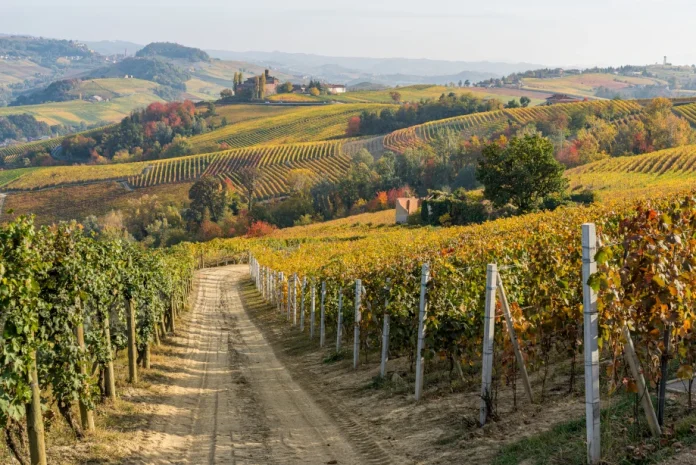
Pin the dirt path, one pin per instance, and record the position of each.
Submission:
(233, 401)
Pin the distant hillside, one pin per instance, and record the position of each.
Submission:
(173, 51)
(149, 69)
(41, 50)
(114, 47)
(59, 91)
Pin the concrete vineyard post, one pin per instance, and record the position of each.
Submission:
(385, 334)
(643, 394)
(312, 308)
(488, 337)
(322, 316)
(356, 327)
(339, 323)
(513, 339)
(591, 344)
(420, 368)
(132, 350)
(303, 289)
(86, 415)
(35, 426)
(279, 294)
(294, 299)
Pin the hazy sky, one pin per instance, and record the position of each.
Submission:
(553, 32)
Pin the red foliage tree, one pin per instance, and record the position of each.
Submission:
(353, 126)
(260, 229)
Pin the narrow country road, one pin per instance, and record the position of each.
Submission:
(232, 401)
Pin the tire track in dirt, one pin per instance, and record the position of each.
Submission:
(230, 400)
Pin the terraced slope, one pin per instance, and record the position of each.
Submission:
(305, 125)
(688, 112)
(483, 124)
(666, 169)
(9, 154)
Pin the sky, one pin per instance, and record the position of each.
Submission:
(549, 32)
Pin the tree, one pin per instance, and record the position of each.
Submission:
(226, 93)
(522, 174)
(525, 101)
(467, 83)
(249, 178)
(512, 104)
(209, 195)
(395, 96)
(262, 85)
(300, 181)
(314, 92)
(286, 88)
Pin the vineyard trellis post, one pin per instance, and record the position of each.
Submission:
(294, 299)
(591, 345)
(488, 338)
(385, 333)
(281, 296)
(513, 339)
(35, 426)
(312, 308)
(643, 394)
(420, 365)
(356, 326)
(172, 324)
(302, 302)
(132, 349)
(322, 316)
(109, 375)
(86, 415)
(339, 323)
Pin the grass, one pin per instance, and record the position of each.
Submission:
(237, 113)
(58, 175)
(76, 111)
(419, 92)
(302, 125)
(293, 98)
(624, 440)
(8, 176)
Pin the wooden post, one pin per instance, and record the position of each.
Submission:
(302, 302)
(294, 299)
(172, 312)
(591, 345)
(643, 394)
(146, 357)
(420, 366)
(109, 375)
(35, 426)
(281, 293)
(339, 324)
(86, 415)
(513, 339)
(356, 326)
(312, 308)
(132, 350)
(322, 316)
(385, 335)
(488, 338)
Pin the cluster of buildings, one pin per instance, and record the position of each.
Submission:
(273, 84)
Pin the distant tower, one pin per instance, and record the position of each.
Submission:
(665, 62)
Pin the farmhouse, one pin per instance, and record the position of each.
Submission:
(405, 206)
(249, 85)
(336, 89)
(561, 98)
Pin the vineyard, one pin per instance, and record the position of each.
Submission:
(324, 159)
(631, 177)
(10, 154)
(69, 304)
(305, 125)
(687, 111)
(539, 260)
(485, 124)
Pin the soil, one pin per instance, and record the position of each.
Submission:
(233, 401)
